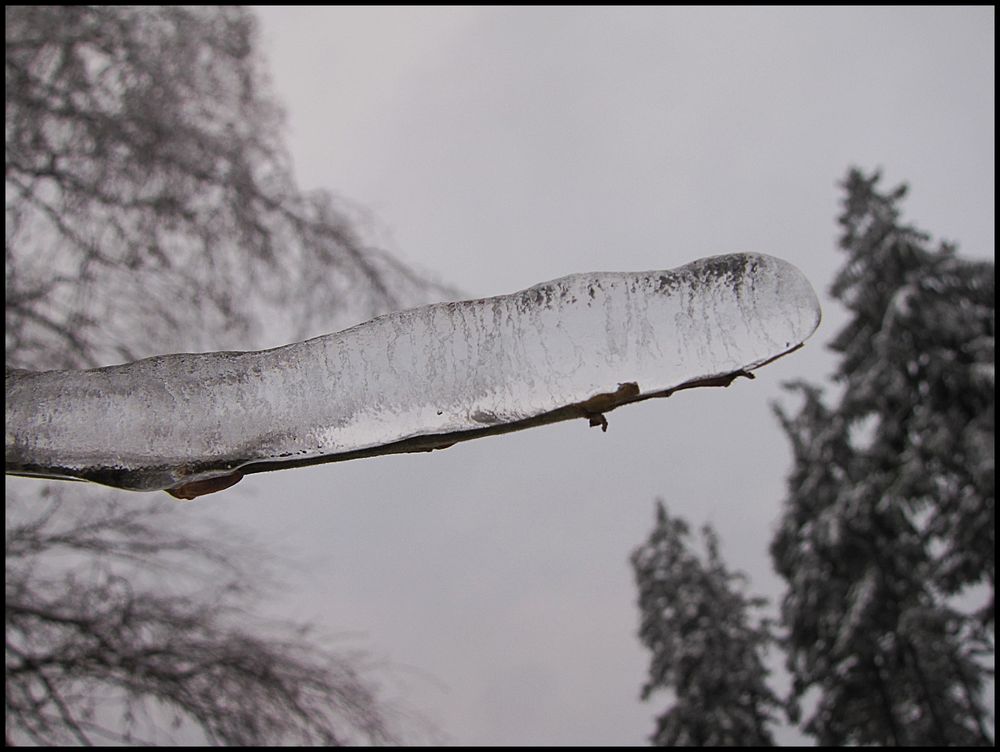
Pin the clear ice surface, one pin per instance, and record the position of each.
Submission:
(447, 369)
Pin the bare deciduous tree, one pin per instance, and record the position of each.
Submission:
(151, 204)
(120, 622)
(151, 207)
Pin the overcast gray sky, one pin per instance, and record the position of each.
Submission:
(501, 147)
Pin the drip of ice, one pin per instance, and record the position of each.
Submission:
(416, 379)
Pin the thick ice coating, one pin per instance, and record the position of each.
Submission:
(417, 379)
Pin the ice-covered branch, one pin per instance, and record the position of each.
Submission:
(410, 381)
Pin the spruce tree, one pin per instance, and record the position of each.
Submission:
(696, 621)
(890, 508)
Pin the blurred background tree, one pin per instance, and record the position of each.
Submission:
(125, 624)
(151, 207)
(697, 623)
